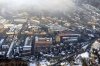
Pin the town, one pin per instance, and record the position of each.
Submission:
(51, 38)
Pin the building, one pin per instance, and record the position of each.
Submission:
(67, 37)
(42, 41)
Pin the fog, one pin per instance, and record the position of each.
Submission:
(50, 5)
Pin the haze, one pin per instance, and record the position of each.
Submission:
(39, 4)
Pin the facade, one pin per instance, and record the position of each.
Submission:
(39, 41)
(68, 37)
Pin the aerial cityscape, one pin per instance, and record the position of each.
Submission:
(49, 33)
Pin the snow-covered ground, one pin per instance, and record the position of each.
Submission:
(32, 64)
(45, 64)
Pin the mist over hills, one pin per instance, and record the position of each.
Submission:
(58, 8)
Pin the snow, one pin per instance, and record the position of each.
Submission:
(32, 64)
(85, 55)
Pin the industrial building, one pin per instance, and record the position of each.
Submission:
(50, 33)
